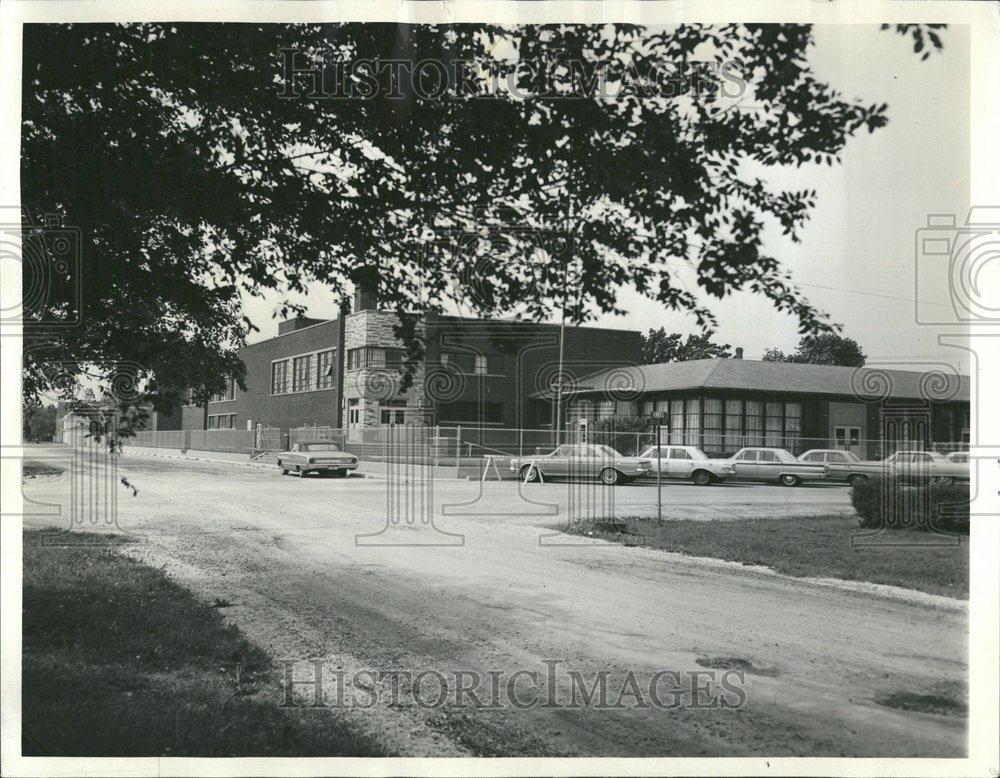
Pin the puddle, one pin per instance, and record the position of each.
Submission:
(940, 704)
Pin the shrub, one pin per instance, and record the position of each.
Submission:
(892, 503)
(623, 433)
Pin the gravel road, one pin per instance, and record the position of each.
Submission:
(311, 568)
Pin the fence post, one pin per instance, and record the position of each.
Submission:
(185, 441)
(437, 444)
(458, 452)
(659, 477)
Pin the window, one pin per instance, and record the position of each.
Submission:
(302, 373)
(836, 457)
(815, 456)
(793, 424)
(767, 456)
(679, 453)
(676, 421)
(326, 371)
(494, 364)
(354, 412)
(226, 394)
(755, 422)
(354, 358)
(713, 424)
(774, 424)
(279, 377)
(222, 421)
(747, 456)
(693, 418)
(393, 358)
(734, 424)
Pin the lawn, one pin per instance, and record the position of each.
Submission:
(120, 661)
(822, 546)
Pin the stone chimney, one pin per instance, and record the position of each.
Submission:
(365, 291)
(739, 352)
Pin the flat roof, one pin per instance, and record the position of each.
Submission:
(940, 382)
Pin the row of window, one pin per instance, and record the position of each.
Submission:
(222, 421)
(717, 423)
(459, 412)
(229, 393)
(305, 373)
(394, 359)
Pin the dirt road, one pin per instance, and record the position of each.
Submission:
(312, 569)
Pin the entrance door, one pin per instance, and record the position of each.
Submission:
(848, 439)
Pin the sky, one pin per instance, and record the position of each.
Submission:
(856, 260)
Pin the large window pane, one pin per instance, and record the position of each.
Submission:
(713, 424)
(734, 424)
(774, 424)
(677, 421)
(754, 423)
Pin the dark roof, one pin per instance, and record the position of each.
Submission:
(940, 382)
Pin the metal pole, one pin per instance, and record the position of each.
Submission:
(659, 477)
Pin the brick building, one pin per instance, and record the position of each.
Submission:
(347, 372)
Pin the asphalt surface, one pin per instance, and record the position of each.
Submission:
(402, 574)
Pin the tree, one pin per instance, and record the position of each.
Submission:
(39, 422)
(826, 349)
(198, 163)
(659, 347)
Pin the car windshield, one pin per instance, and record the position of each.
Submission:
(606, 451)
(697, 453)
(851, 456)
(319, 447)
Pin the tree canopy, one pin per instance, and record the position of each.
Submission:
(190, 176)
(658, 346)
(826, 349)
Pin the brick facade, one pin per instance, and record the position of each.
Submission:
(474, 372)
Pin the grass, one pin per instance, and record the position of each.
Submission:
(118, 660)
(816, 547)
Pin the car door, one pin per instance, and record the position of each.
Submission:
(555, 464)
(768, 465)
(839, 465)
(746, 463)
(922, 467)
(681, 465)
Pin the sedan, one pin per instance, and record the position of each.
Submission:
(316, 456)
(925, 466)
(843, 465)
(775, 464)
(688, 462)
(581, 461)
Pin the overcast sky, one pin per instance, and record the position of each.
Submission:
(856, 259)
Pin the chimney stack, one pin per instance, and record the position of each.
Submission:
(739, 352)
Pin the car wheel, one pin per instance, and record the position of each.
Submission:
(341, 473)
(788, 480)
(857, 480)
(701, 477)
(529, 474)
(610, 476)
(299, 471)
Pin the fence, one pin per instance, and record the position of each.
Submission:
(450, 445)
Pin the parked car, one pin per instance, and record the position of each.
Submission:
(759, 463)
(843, 465)
(582, 460)
(925, 466)
(316, 456)
(958, 456)
(688, 462)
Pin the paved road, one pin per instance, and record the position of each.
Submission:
(313, 569)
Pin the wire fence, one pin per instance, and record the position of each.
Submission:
(448, 444)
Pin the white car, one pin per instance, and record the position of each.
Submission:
(958, 456)
(688, 462)
(925, 466)
(766, 463)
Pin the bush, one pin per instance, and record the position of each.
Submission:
(891, 503)
(623, 433)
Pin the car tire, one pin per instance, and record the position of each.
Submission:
(701, 478)
(788, 479)
(857, 479)
(299, 471)
(530, 474)
(340, 473)
(611, 477)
